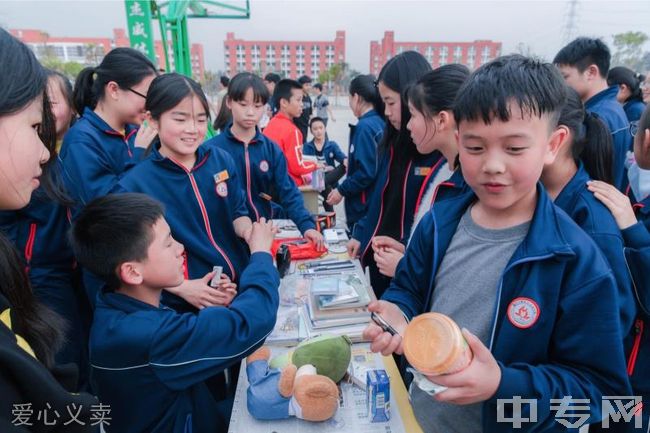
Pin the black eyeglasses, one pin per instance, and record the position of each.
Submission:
(136, 92)
(634, 126)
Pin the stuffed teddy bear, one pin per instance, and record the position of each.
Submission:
(291, 391)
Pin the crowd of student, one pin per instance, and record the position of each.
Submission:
(511, 198)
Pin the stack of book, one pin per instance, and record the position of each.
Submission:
(323, 297)
(337, 304)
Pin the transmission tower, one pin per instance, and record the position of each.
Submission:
(571, 25)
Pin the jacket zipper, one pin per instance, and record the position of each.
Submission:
(638, 333)
(381, 206)
(206, 219)
(29, 246)
(406, 181)
(248, 181)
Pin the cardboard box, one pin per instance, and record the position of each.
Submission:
(378, 395)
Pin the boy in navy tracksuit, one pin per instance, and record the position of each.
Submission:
(499, 258)
(584, 64)
(149, 362)
(636, 235)
(328, 153)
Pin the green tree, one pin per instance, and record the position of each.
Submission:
(71, 69)
(51, 62)
(629, 50)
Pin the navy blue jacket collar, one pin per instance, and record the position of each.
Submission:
(100, 124)
(228, 131)
(609, 93)
(202, 152)
(544, 235)
(572, 189)
(369, 114)
(124, 303)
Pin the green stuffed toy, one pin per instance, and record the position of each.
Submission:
(328, 353)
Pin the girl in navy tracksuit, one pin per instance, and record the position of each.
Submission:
(585, 155)
(365, 136)
(39, 232)
(401, 168)
(433, 128)
(629, 91)
(30, 333)
(636, 236)
(106, 142)
(262, 167)
(198, 185)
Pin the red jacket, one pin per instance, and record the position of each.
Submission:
(282, 130)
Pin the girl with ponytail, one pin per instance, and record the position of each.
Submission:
(110, 137)
(106, 141)
(366, 105)
(585, 155)
(630, 94)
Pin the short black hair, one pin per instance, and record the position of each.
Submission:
(537, 88)
(318, 86)
(243, 81)
(224, 80)
(304, 79)
(114, 229)
(316, 119)
(644, 121)
(272, 77)
(283, 90)
(582, 52)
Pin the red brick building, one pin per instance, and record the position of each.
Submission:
(91, 51)
(289, 58)
(470, 54)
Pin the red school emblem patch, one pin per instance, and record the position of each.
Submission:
(523, 312)
(222, 189)
(264, 165)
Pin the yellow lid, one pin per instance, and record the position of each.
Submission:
(433, 344)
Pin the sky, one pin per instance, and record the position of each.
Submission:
(538, 25)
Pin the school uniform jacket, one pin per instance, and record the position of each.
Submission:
(94, 157)
(262, 169)
(556, 328)
(39, 233)
(149, 364)
(637, 254)
(597, 221)
(633, 110)
(200, 207)
(605, 105)
(417, 171)
(286, 134)
(332, 153)
(362, 165)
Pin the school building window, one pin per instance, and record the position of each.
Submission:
(444, 52)
(485, 55)
(458, 54)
